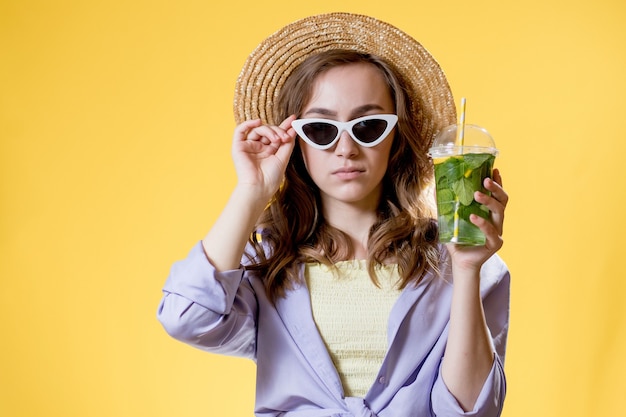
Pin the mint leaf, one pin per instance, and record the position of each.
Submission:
(474, 160)
(445, 201)
(474, 208)
(464, 190)
(476, 178)
(449, 170)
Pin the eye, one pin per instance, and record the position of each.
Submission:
(369, 130)
(319, 132)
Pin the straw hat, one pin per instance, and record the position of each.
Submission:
(269, 65)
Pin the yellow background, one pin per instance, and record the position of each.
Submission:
(115, 127)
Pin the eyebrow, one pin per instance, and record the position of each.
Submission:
(355, 113)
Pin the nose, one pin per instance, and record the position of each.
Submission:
(345, 146)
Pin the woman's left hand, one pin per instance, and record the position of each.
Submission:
(472, 257)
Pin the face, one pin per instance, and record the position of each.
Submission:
(347, 172)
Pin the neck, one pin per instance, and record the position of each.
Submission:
(353, 220)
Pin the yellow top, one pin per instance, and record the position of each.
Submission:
(351, 314)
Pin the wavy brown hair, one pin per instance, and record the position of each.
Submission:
(292, 229)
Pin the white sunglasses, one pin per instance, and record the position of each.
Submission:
(367, 131)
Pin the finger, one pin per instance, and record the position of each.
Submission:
(286, 124)
(266, 134)
(288, 133)
(496, 176)
(493, 236)
(241, 131)
(496, 190)
(495, 207)
(490, 201)
(284, 151)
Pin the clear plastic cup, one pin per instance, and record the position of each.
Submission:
(461, 167)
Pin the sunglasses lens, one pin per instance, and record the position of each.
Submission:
(320, 133)
(369, 130)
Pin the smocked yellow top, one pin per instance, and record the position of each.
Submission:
(351, 314)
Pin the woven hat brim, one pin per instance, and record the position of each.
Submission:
(270, 64)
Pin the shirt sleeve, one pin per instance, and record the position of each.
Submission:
(211, 310)
(488, 404)
(495, 293)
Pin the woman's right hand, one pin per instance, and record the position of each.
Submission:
(261, 153)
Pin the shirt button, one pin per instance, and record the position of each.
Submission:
(382, 380)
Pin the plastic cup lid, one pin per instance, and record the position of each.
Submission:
(475, 139)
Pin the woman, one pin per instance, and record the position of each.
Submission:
(324, 265)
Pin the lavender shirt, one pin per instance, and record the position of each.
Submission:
(229, 313)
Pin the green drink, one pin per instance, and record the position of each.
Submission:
(460, 171)
(458, 177)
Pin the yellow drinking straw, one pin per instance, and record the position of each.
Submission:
(462, 123)
(461, 140)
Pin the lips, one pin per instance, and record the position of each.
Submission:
(348, 172)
